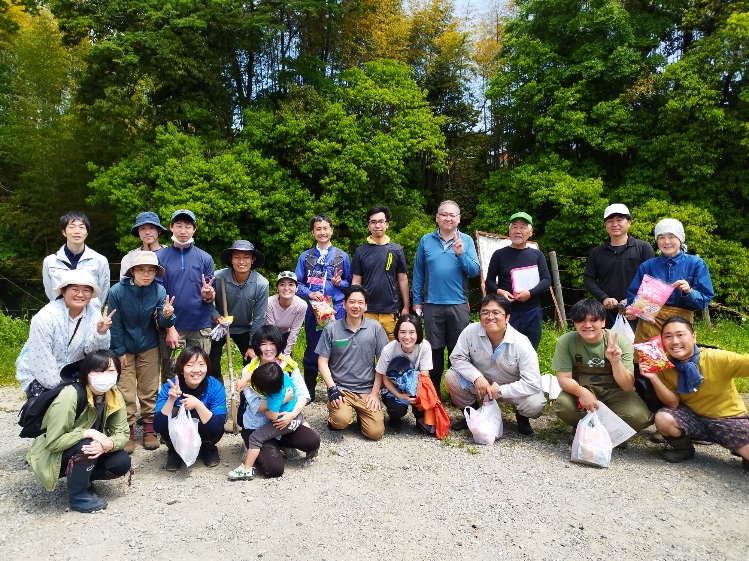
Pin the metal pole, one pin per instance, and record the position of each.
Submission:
(557, 288)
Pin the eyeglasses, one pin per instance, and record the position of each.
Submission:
(446, 215)
(491, 313)
(377, 222)
(85, 291)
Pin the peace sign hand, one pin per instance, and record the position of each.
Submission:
(458, 244)
(105, 321)
(168, 307)
(613, 350)
(336, 280)
(207, 292)
(174, 389)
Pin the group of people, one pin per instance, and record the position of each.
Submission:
(150, 347)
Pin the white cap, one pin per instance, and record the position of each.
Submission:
(617, 208)
(77, 276)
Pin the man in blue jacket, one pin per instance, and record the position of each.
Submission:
(188, 279)
(323, 270)
(445, 260)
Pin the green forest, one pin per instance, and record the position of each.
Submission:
(256, 115)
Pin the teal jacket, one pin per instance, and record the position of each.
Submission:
(64, 430)
(133, 324)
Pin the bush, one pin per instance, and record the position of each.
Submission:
(13, 334)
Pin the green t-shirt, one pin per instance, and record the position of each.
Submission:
(593, 354)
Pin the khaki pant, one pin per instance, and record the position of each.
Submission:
(140, 377)
(646, 330)
(372, 422)
(627, 405)
(196, 338)
(531, 406)
(387, 321)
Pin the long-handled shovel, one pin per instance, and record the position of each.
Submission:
(233, 400)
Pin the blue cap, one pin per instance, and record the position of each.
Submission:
(146, 218)
(182, 212)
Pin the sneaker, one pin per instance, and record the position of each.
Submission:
(242, 473)
(173, 461)
(524, 425)
(130, 445)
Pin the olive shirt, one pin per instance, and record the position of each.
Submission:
(717, 396)
(64, 430)
(592, 353)
(352, 353)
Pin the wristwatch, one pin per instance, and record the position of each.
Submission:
(499, 394)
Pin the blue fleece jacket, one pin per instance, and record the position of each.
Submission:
(133, 324)
(183, 281)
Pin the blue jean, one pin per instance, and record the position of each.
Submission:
(529, 324)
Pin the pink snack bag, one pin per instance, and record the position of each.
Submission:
(651, 296)
(653, 357)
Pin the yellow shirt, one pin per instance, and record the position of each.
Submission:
(717, 396)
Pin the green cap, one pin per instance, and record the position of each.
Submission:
(522, 215)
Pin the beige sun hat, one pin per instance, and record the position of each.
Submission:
(145, 258)
(78, 276)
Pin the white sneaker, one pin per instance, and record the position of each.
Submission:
(242, 473)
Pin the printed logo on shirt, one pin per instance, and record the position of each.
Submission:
(341, 343)
(596, 363)
(316, 281)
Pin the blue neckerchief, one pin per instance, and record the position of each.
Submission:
(689, 377)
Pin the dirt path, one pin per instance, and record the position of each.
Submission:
(405, 497)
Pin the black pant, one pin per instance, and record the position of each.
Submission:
(270, 461)
(116, 463)
(438, 366)
(242, 340)
(397, 410)
(208, 439)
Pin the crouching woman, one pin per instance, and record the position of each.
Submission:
(89, 446)
(202, 396)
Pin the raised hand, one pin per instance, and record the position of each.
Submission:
(207, 291)
(105, 321)
(613, 350)
(336, 280)
(458, 246)
(168, 307)
(174, 390)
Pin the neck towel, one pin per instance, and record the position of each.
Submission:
(689, 376)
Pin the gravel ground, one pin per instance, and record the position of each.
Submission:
(404, 497)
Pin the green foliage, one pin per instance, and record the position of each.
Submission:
(234, 191)
(13, 334)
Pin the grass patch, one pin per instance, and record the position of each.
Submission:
(13, 334)
(729, 335)
(554, 432)
(453, 442)
(473, 450)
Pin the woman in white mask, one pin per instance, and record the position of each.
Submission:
(87, 446)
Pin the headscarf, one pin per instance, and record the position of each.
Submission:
(671, 226)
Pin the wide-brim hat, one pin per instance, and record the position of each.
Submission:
(242, 245)
(78, 276)
(146, 218)
(145, 258)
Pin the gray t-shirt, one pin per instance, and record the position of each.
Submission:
(352, 354)
(420, 358)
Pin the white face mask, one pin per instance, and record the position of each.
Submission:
(102, 383)
(175, 240)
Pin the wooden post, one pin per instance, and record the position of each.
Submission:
(706, 317)
(557, 288)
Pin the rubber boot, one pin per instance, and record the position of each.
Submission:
(310, 379)
(524, 424)
(678, 449)
(79, 473)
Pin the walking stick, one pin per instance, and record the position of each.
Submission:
(233, 400)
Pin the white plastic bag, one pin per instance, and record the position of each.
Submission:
(592, 443)
(622, 327)
(485, 422)
(183, 430)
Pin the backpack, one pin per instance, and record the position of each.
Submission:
(31, 415)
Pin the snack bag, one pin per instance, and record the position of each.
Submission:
(324, 311)
(651, 296)
(652, 355)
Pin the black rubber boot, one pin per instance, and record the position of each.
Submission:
(209, 453)
(79, 475)
(310, 379)
(524, 424)
(678, 449)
